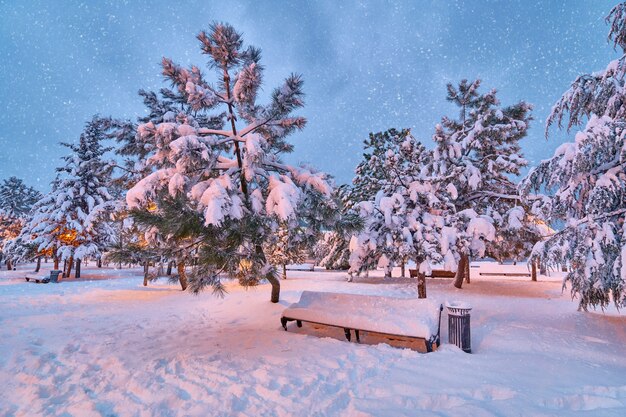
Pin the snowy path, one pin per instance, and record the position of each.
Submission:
(111, 347)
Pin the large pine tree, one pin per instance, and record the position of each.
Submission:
(475, 158)
(581, 190)
(66, 221)
(231, 179)
(401, 216)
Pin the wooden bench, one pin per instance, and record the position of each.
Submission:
(44, 279)
(505, 274)
(435, 273)
(386, 316)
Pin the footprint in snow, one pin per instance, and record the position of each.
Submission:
(589, 398)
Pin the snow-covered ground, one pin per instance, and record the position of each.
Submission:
(111, 347)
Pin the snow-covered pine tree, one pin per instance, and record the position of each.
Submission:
(401, 221)
(231, 178)
(131, 242)
(582, 188)
(474, 160)
(16, 198)
(516, 237)
(332, 250)
(287, 245)
(16, 201)
(63, 221)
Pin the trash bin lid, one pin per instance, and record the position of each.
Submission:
(458, 307)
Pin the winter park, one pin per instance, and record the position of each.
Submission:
(312, 209)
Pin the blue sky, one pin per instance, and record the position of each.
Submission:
(368, 66)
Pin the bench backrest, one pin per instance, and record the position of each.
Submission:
(54, 275)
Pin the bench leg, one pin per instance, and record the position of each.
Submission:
(358, 339)
(429, 345)
(283, 322)
(299, 323)
(27, 279)
(347, 333)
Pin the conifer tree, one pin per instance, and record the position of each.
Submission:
(287, 245)
(64, 222)
(16, 201)
(332, 250)
(401, 219)
(231, 179)
(16, 198)
(581, 190)
(134, 242)
(476, 156)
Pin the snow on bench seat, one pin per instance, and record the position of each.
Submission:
(37, 277)
(416, 318)
(497, 269)
(300, 267)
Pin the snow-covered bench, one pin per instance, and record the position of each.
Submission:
(44, 278)
(435, 273)
(300, 267)
(399, 317)
(493, 269)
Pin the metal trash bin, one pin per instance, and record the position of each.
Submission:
(459, 325)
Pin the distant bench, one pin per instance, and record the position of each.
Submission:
(435, 273)
(506, 274)
(386, 316)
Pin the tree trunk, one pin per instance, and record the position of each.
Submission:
(9, 265)
(78, 264)
(403, 268)
(70, 265)
(275, 297)
(460, 272)
(467, 270)
(421, 285)
(56, 263)
(284, 271)
(182, 275)
(169, 267)
(146, 266)
(38, 267)
(233, 117)
(64, 268)
(387, 272)
(533, 271)
(99, 263)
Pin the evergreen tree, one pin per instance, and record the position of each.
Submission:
(133, 242)
(16, 201)
(231, 180)
(65, 221)
(474, 160)
(16, 198)
(401, 220)
(287, 245)
(582, 188)
(332, 250)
